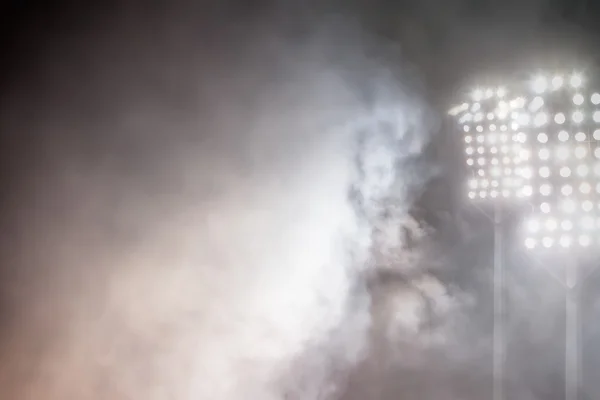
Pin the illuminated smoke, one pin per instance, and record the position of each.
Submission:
(198, 222)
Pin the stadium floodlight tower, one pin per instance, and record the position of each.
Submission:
(562, 122)
(495, 156)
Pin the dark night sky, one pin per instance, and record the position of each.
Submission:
(436, 46)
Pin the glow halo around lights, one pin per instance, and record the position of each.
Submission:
(543, 146)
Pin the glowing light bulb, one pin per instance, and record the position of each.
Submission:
(539, 84)
(576, 81)
(565, 241)
(563, 136)
(557, 82)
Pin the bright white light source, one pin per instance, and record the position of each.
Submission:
(595, 99)
(577, 117)
(524, 119)
(562, 153)
(585, 188)
(566, 225)
(547, 242)
(501, 92)
(587, 206)
(539, 84)
(583, 170)
(533, 225)
(536, 104)
(480, 138)
(544, 154)
(530, 243)
(488, 93)
(469, 161)
(480, 150)
(580, 152)
(578, 99)
(527, 191)
(568, 206)
(557, 82)
(544, 172)
(584, 240)
(597, 134)
(576, 81)
(559, 118)
(477, 94)
(596, 116)
(526, 173)
(472, 195)
(468, 139)
(567, 190)
(597, 152)
(540, 119)
(469, 150)
(563, 136)
(542, 138)
(551, 224)
(580, 136)
(565, 241)
(545, 189)
(479, 128)
(545, 208)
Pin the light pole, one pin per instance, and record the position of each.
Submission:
(495, 153)
(562, 119)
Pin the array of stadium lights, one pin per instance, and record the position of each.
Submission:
(542, 145)
(564, 186)
(493, 143)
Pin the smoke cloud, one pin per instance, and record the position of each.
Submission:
(196, 208)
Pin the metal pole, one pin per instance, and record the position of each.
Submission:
(499, 354)
(572, 342)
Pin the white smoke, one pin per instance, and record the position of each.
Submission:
(202, 222)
